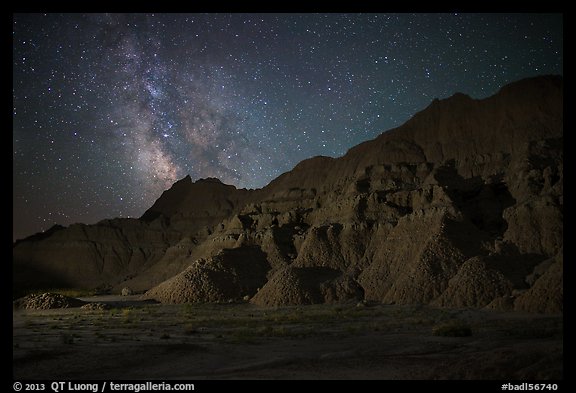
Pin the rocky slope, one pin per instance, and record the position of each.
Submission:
(462, 206)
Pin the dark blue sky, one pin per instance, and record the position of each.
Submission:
(110, 109)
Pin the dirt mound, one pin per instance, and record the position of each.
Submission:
(475, 285)
(230, 275)
(47, 301)
(335, 246)
(547, 293)
(417, 258)
(307, 285)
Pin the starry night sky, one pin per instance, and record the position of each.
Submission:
(109, 110)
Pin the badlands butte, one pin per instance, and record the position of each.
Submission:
(460, 207)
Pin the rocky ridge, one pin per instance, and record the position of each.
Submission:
(462, 206)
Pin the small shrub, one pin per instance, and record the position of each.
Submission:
(190, 330)
(128, 316)
(114, 311)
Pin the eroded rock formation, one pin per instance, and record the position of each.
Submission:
(462, 206)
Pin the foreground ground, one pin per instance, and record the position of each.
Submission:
(138, 340)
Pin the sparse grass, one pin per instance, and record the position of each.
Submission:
(243, 323)
(127, 316)
(234, 319)
(231, 326)
(452, 328)
(148, 309)
(190, 329)
(188, 309)
(114, 311)
(530, 332)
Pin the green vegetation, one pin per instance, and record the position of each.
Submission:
(209, 320)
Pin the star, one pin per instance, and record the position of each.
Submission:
(127, 104)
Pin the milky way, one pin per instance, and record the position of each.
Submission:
(109, 110)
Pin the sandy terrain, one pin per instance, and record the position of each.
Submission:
(140, 340)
